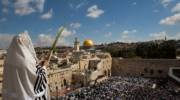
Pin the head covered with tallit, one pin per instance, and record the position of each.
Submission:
(21, 46)
(20, 70)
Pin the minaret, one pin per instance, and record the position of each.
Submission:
(165, 38)
(76, 44)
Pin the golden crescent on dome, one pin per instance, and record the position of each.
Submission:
(88, 43)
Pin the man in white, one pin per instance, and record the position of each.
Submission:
(24, 78)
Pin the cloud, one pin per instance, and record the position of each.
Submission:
(165, 3)
(126, 32)
(5, 4)
(177, 36)
(108, 25)
(108, 34)
(5, 40)
(39, 5)
(71, 5)
(134, 3)
(155, 11)
(3, 19)
(130, 37)
(24, 11)
(176, 8)
(171, 20)
(47, 15)
(81, 5)
(75, 25)
(134, 31)
(159, 35)
(26, 7)
(94, 12)
(127, 35)
(5, 10)
(67, 32)
(44, 40)
(163, 34)
(126, 40)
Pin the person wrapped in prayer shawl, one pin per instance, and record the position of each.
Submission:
(24, 78)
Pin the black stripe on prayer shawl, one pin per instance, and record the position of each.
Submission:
(44, 76)
(37, 99)
(41, 75)
(41, 82)
(44, 97)
(41, 85)
(37, 81)
(39, 69)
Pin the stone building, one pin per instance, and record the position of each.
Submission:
(1, 68)
(81, 67)
(92, 68)
(1, 74)
(59, 79)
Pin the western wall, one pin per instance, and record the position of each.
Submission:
(155, 68)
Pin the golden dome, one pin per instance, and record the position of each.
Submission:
(88, 43)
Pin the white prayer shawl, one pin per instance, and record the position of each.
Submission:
(23, 79)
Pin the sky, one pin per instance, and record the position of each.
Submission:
(103, 21)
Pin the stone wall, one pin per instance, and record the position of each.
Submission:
(143, 67)
(1, 73)
(59, 79)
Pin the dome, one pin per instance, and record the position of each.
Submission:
(88, 43)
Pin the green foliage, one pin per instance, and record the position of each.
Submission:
(149, 50)
(165, 49)
(125, 53)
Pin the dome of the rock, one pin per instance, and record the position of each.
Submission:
(88, 43)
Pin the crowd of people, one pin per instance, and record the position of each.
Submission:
(127, 88)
